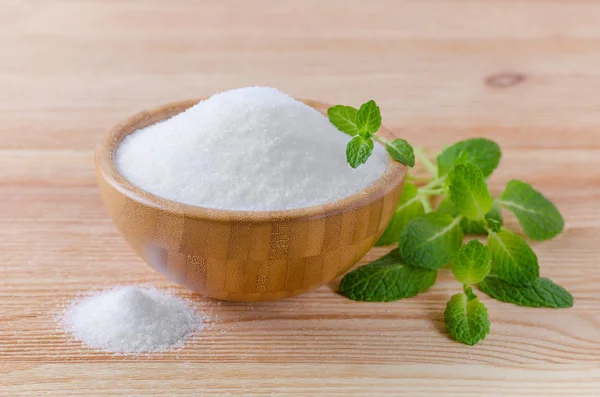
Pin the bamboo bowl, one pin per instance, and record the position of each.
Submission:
(244, 255)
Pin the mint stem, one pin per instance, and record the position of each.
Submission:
(434, 183)
(431, 192)
(418, 179)
(422, 157)
(380, 139)
(426, 203)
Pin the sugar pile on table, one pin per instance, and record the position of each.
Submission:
(251, 148)
(131, 319)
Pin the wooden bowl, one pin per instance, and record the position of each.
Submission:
(244, 255)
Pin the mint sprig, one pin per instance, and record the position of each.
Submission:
(427, 239)
(466, 317)
(363, 124)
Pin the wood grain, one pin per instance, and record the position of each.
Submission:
(524, 73)
(302, 380)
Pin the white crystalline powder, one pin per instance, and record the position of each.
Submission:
(132, 320)
(246, 149)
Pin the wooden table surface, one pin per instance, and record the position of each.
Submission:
(524, 73)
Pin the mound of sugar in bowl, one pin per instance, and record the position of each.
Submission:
(131, 319)
(246, 149)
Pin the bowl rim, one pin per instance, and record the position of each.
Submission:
(106, 168)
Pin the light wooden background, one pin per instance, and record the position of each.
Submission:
(525, 73)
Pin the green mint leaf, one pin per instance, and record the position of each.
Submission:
(447, 207)
(408, 209)
(401, 151)
(462, 158)
(469, 192)
(358, 150)
(538, 217)
(513, 260)
(368, 118)
(344, 118)
(386, 279)
(541, 293)
(466, 319)
(468, 290)
(470, 226)
(494, 220)
(481, 152)
(430, 240)
(471, 263)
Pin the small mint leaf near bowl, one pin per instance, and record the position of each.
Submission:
(359, 150)
(368, 118)
(241, 255)
(344, 118)
(401, 151)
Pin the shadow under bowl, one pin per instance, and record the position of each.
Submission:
(244, 255)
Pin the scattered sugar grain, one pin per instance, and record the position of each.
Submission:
(131, 319)
(251, 148)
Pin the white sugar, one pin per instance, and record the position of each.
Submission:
(246, 149)
(132, 320)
